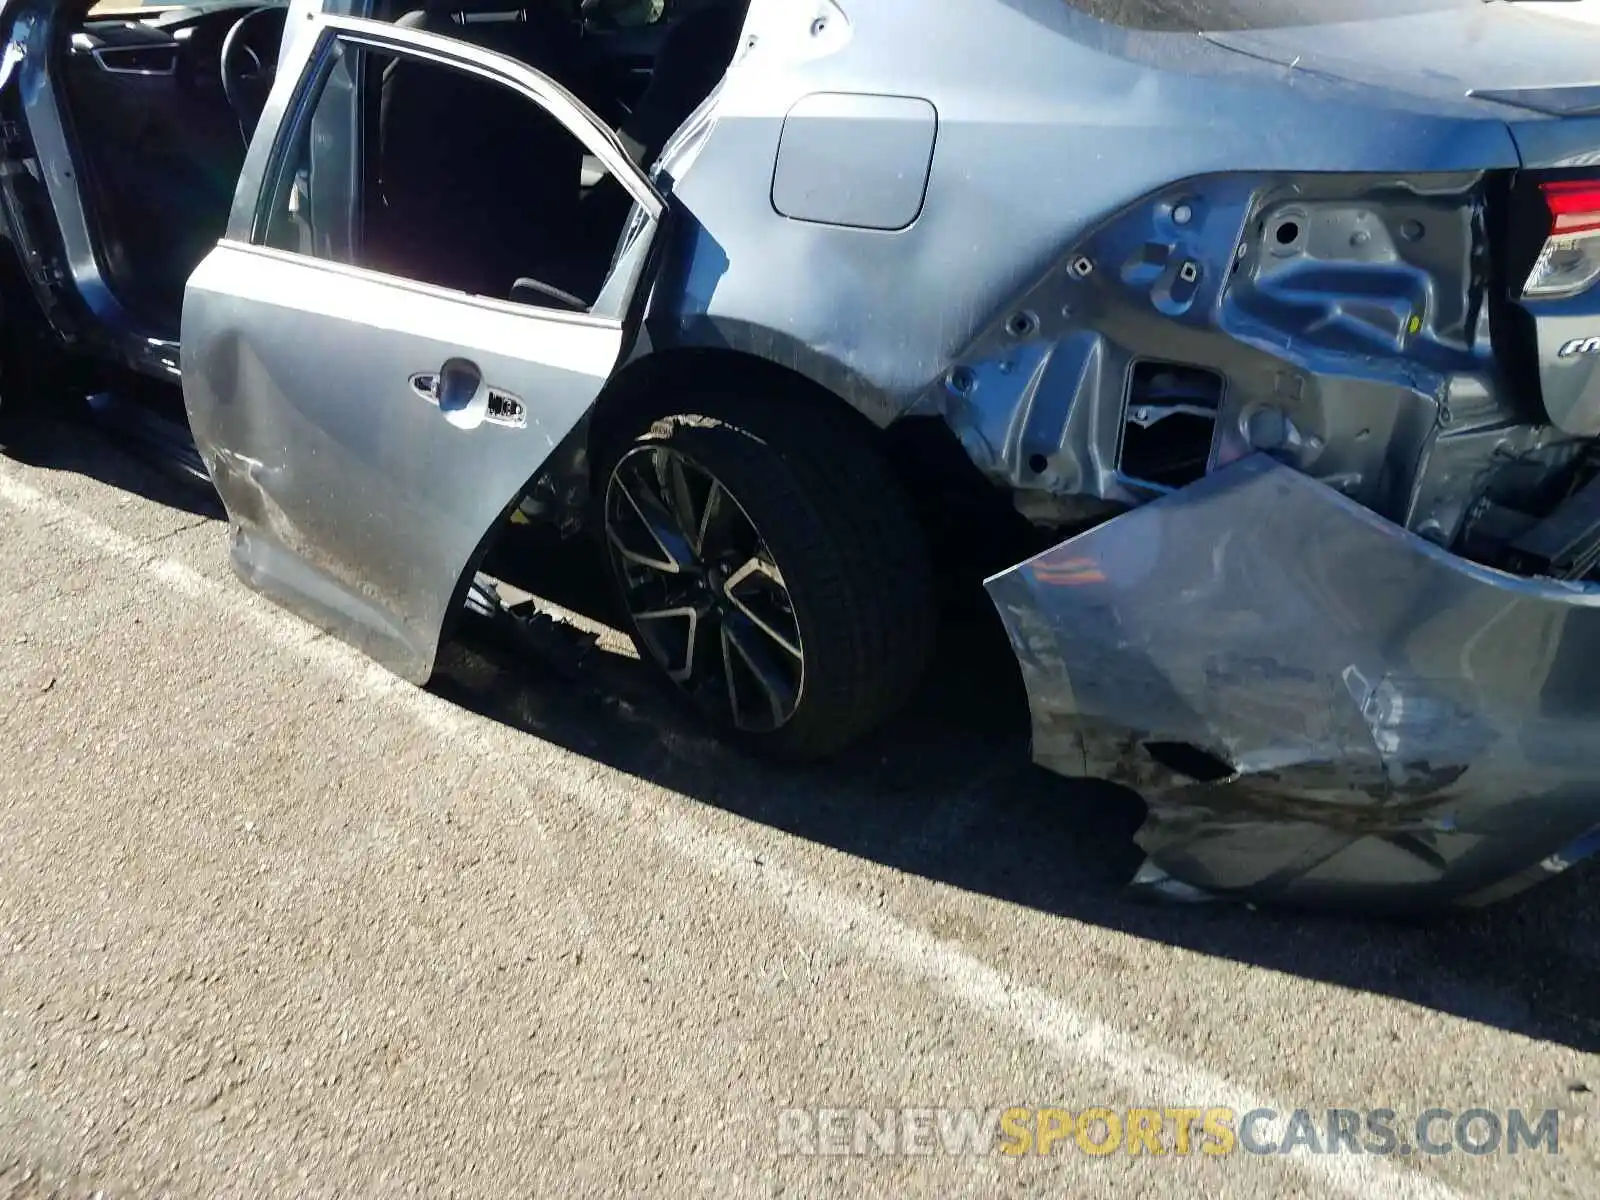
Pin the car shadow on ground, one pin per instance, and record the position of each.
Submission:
(947, 792)
(61, 447)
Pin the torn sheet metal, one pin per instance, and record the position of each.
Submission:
(1317, 706)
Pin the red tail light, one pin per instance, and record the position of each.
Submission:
(1570, 260)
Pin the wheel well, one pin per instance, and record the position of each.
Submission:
(562, 491)
(971, 525)
(637, 391)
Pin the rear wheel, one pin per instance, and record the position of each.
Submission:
(771, 571)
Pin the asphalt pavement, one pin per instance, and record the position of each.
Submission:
(274, 923)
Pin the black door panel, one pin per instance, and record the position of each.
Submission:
(160, 155)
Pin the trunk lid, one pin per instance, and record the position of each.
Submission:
(1521, 59)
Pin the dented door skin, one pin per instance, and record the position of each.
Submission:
(366, 432)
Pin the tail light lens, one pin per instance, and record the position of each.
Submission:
(1570, 260)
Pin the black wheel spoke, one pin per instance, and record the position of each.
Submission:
(669, 550)
(708, 515)
(762, 581)
(746, 655)
(674, 634)
(679, 494)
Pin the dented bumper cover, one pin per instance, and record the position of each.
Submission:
(1316, 705)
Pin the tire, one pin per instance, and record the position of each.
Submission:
(830, 589)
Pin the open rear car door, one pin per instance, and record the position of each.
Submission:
(365, 430)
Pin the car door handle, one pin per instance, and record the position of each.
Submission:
(459, 392)
(460, 381)
(456, 390)
(453, 387)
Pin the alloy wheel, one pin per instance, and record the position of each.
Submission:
(704, 592)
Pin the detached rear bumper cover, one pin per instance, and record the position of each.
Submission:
(1346, 713)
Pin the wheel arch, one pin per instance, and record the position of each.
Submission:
(637, 389)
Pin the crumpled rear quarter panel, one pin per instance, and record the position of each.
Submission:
(1363, 718)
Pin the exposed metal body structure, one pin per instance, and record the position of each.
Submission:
(1230, 284)
(1317, 706)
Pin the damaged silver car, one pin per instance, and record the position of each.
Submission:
(1278, 319)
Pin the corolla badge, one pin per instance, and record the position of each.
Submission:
(1588, 345)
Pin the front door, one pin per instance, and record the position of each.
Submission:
(407, 318)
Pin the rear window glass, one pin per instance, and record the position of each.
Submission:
(1215, 16)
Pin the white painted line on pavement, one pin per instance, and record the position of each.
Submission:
(1070, 1035)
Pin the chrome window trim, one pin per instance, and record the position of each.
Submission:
(349, 271)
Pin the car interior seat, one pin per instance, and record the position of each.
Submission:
(690, 63)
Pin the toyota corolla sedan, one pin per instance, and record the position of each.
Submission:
(1277, 321)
